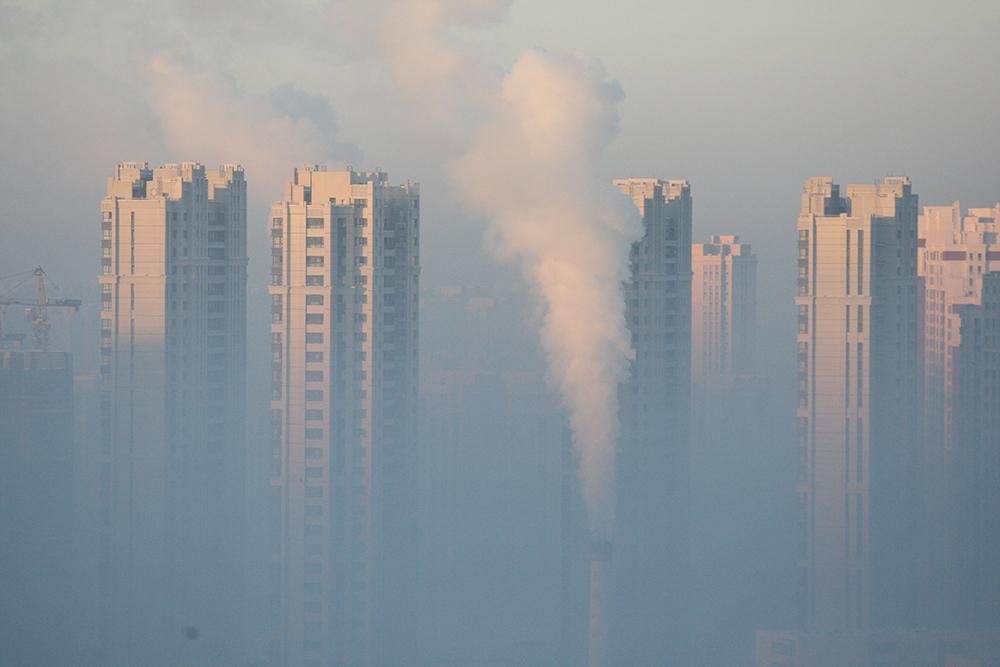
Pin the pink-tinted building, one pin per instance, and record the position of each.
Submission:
(959, 273)
(723, 311)
(857, 402)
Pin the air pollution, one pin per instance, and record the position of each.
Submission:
(532, 168)
(208, 116)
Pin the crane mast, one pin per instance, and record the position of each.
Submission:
(37, 309)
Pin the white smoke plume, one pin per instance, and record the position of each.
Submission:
(204, 116)
(533, 169)
(427, 61)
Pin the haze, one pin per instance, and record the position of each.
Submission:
(515, 117)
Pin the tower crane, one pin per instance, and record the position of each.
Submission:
(37, 309)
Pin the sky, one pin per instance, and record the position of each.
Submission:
(743, 99)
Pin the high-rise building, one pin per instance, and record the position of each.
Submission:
(975, 462)
(723, 311)
(955, 253)
(959, 256)
(344, 285)
(857, 403)
(650, 599)
(36, 505)
(173, 327)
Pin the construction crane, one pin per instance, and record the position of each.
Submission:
(37, 309)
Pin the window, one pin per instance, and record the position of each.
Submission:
(314, 356)
(314, 415)
(216, 237)
(314, 260)
(313, 472)
(314, 299)
(276, 223)
(314, 242)
(314, 510)
(314, 318)
(314, 223)
(314, 376)
(216, 306)
(314, 453)
(216, 253)
(314, 492)
(313, 395)
(314, 338)
(314, 281)
(216, 289)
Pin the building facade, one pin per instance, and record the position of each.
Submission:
(723, 312)
(975, 461)
(956, 255)
(36, 505)
(173, 376)
(344, 285)
(650, 599)
(857, 401)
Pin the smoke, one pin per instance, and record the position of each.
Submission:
(532, 167)
(207, 117)
(427, 62)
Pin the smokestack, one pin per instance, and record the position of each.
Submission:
(597, 631)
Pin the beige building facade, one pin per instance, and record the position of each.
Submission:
(956, 252)
(345, 271)
(959, 265)
(173, 327)
(857, 400)
(723, 312)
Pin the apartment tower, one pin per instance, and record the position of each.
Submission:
(959, 257)
(345, 271)
(36, 505)
(723, 312)
(173, 327)
(649, 607)
(857, 400)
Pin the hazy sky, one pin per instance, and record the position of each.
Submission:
(743, 99)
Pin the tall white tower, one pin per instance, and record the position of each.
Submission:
(345, 271)
(723, 311)
(173, 357)
(857, 401)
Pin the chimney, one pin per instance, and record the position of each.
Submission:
(597, 632)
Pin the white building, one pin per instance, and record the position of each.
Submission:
(173, 324)
(959, 261)
(857, 400)
(723, 311)
(345, 270)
